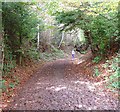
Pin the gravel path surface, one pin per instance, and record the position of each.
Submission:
(53, 88)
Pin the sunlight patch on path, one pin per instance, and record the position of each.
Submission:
(76, 61)
(58, 88)
(91, 86)
(39, 83)
(81, 106)
(80, 82)
(88, 82)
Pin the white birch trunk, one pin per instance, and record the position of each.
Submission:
(38, 38)
(63, 33)
(1, 54)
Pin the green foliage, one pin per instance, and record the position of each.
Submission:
(83, 52)
(20, 26)
(116, 85)
(2, 85)
(55, 54)
(58, 53)
(33, 53)
(19, 22)
(11, 85)
(96, 71)
(68, 18)
(9, 61)
(97, 59)
(114, 71)
(114, 82)
(119, 18)
(98, 20)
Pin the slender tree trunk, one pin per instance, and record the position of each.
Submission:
(1, 54)
(1, 60)
(63, 33)
(119, 18)
(20, 52)
(89, 40)
(1, 46)
(38, 39)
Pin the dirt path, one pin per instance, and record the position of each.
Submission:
(56, 87)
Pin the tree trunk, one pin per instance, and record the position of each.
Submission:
(38, 38)
(89, 40)
(94, 48)
(1, 54)
(61, 39)
(20, 52)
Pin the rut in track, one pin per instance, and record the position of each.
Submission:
(56, 87)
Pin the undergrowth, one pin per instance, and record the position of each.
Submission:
(114, 71)
(97, 59)
(55, 54)
(114, 82)
(96, 71)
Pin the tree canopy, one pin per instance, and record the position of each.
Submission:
(20, 21)
(98, 20)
